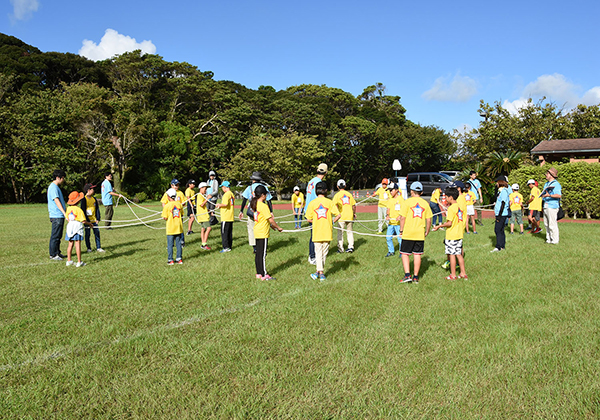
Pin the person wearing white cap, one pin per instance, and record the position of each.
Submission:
(311, 194)
(535, 206)
(297, 207)
(203, 215)
(346, 205)
(515, 200)
(173, 213)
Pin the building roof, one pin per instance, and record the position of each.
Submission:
(568, 147)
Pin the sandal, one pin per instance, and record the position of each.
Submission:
(465, 277)
(451, 277)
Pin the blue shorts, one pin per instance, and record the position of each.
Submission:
(76, 237)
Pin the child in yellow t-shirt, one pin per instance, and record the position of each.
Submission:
(394, 205)
(227, 216)
(455, 224)
(203, 216)
(384, 196)
(91, 209)
(319, 213)
(190, 198)
(515, 201)
(470, 199)
(535, 206)
(263, 221)
(346, 205)
(297, 207)
(76, 219)
(173, 213)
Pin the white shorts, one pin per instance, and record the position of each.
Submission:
(471, 210)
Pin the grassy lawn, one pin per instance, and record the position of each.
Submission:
(129, 337)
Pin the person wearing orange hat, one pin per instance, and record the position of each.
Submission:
(75, 221)
(384, 196)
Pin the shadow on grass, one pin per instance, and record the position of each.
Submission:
(359, 242)
(118, 246)
(341, 265)
(297, 260)
(290, 240)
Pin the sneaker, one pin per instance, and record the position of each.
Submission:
(538, 230)
(267, 278)
(56, 258)
(350, 250)
(521, 233)
(389, 254)
(340, 252)
(468, 233)
(415, 279)
(70, 263)
(322, 277)
(496, 250)
(312, 261)
(80, 264)
(179, 262)
(406, 279)
(475, 233)
(89, 251)
(446, 265)
(171, 263)
(225, 250)
(441, 229)
(100, 250)
(511, 233)
(314, 276)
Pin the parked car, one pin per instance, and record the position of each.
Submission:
(430, 180)
(451, 174)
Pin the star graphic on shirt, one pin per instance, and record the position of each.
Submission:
(256, 213)
(460, 215)
(417, 211)
(72, 216)
(176, 212)
(345, 199)
(321, 212)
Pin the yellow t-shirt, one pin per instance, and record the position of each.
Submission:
(227, 212)
(201, 210)
(457, 217)
(516, 201)
(321, 211)
(75, 213)
(384, 196)
(435, 197)
(262, 226)
(190, 195)
(180, 197)
(344, 202)
(298, 200)
(469, 199)
(91, 208)
(173, 211)
(462, 202)
(416, 211)
(536, 204)
(394, 204)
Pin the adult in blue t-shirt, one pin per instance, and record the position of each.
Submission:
(247, 195)
(311, 194)
(107, 201)
(476, 189)
(551, 195)
(56, 210)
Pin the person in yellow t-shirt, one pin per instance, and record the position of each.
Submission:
(455, 226)
(91, 209)
(297, 207)
(173, 213)
(227, 217)
(394, 204)
(263, 222)
(76, 219)
(470, 199)
(202, 215)
(180, 197)
(535, 206)
(346, 205)
(435, 203)
(415, 222)
(383, 195)
(190, 198)
(515, 200)
(319, 213)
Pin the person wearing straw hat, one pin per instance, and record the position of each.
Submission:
(311, 194)
(76, 219)
(346, 205)
(247, 195)
(202, 215)
(56, 211)
(107, 194)
(172, 213)
(90, 208)
(551, 195)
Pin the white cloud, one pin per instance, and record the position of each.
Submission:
(591, 97)
(458, 89)
(23, 9)
(113, 43)
(514, 106)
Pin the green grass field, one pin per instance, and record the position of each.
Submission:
(129, 337)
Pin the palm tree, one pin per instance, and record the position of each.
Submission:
(500, 163)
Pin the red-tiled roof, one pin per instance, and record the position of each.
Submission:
(574, 146)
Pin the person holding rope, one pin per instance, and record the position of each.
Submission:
(107, 194)
(476, 189)
(311, 194)
(247, 196)
(91, 210)
(190, 195)
(346, 205)
(297, 207)
(172, 212)
(455, 227)
(212, 196)
(394, 204)
(227, 218)
(263, 221)
(179, 196)
(202, 215)
(381, 204)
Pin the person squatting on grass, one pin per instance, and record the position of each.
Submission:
(383, 195)
(190, 196)
(172, 213)
(501, 213)
(516, 208)
(535, 206)
(320, 212)
(202, 215)
(346, 206)
(311, 194)
(455, 227)
(76, 219)
(226, 206)
(263, 221)
(247, 196)
(415, 222)
(91, 210)
(56, 211)
(551, 195)
(297, 207)
(394, 204)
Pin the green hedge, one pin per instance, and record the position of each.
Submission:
(580, 183)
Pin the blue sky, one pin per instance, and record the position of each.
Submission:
(441, 57)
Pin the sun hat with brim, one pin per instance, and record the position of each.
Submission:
(171, 192)
(202, 185)
(74, 198)
(515, 187)
(322, 168)
(553, 172)
(296, 188)
(255, 176)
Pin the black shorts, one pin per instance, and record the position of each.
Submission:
(412, 247)
(535, 214)
(191, 210)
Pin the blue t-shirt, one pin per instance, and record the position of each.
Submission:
(53, 210)
(551, 188)
(503, 196)
(249, 191)
(475, 185)
(311, 192)
(106, 190)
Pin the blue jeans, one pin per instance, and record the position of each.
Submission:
(177, 240)
(56, 235)
(298, 219)
(311, 247)
(391, 231)
(96, 236)
(435, 208)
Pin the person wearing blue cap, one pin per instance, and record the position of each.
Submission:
(415, 223)
(227, 217)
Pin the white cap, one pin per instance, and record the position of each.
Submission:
(203, 184)
(531, 181)
(392, 186)
(296, 188)
(172, 193)
(515, 187)
(341, 183)
(212, 173)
